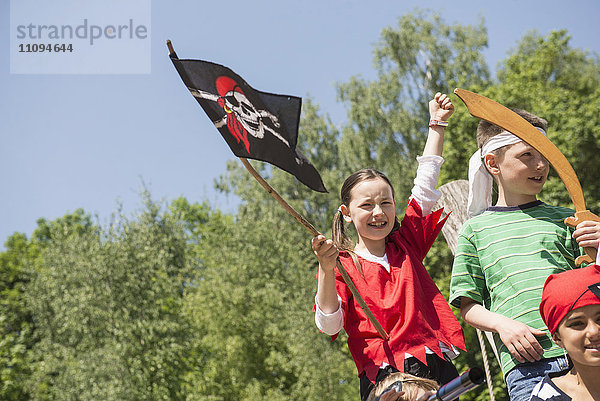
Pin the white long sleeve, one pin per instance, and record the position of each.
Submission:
(329, 323)
(424, 192)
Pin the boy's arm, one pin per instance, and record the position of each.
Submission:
(518, 337)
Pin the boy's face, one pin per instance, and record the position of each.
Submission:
(521, 173)
(579, 335)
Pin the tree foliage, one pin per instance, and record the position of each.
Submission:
(16, 324)
(561, 84)
(388, 116)
(189, 303)
(252, 306)
(107, 305)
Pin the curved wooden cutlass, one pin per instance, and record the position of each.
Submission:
(481, 107)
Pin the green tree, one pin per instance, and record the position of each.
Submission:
(16, 325)
(252, 304)
(18, 335)
(108, 310)
(548, 77)
(388, 117)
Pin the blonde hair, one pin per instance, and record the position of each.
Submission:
(410, 385)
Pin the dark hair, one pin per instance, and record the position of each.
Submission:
(487, 130)
(338, 234)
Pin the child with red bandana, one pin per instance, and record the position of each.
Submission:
(570, 308)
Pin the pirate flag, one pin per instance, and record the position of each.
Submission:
(255, 124)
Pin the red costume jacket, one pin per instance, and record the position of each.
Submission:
(405, 301)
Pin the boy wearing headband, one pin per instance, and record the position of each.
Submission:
(505, 253)
(570, 308)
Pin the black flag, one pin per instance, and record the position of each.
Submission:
(255, 125)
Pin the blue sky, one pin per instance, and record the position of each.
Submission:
(89, 141)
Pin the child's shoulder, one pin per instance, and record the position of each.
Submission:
(558, 210)
(553, 213)
(497, 217)
(534, 209)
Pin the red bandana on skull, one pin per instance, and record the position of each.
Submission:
(227, 88)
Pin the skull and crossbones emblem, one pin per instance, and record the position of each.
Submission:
(241, 117)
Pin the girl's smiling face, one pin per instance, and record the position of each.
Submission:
(372, 209)
(579, 335)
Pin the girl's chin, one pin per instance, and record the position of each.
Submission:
(376, 236)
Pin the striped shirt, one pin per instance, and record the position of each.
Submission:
(503, 258)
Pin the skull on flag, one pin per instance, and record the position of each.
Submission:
(241, 116)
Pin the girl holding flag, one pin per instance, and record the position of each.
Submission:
(386, 266)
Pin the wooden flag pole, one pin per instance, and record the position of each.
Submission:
(170, 47)
(315, 232)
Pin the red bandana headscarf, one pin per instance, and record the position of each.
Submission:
(569, 290)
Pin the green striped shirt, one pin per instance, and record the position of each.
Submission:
(503, 258)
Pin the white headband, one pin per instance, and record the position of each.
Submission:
(480, 179)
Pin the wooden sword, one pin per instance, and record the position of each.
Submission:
(482, 107)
